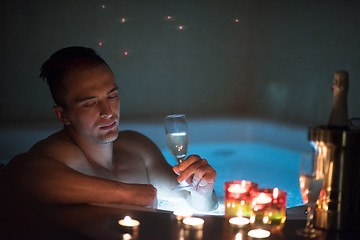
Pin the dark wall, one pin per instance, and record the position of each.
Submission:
(275, 63)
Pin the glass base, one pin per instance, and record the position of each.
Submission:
(308, 232)
(183, 186)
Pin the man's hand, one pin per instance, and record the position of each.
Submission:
(198, 173)
(141, 195)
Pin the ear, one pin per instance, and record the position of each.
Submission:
(60, 114)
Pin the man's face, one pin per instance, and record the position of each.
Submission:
(92, 104)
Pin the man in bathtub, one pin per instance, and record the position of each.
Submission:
(89, 161)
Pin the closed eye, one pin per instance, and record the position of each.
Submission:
(113, 96)
(89, 104)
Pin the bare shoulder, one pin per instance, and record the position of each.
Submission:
(138, 143)
(58, 147)
(131, 138)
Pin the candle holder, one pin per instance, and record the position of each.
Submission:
(269, 208)
(238, 198)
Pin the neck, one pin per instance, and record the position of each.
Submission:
(98, 153)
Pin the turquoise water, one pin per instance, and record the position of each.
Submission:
(267, 165)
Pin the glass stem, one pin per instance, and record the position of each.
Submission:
(310, 217)
(180, 159)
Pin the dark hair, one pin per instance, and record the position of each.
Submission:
(62, 63)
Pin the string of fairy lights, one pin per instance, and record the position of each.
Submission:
(169, 18)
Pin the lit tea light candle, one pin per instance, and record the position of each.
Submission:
(239, 221)
(263, 198)
(259, 233)
(269, 205)
(181, 214)
(238, 198)
(129, 222)
(238, 188)
(194, 222)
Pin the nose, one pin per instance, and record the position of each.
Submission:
(106, 111)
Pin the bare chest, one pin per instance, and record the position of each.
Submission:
(127, 168)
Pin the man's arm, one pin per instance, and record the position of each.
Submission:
(46, 180)
(196, 171)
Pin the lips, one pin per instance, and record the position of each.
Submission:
(108, 126)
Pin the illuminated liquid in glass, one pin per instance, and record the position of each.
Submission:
(310, 188)
(177, 144)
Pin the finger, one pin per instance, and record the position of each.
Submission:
(204, 175)
(176, 169)
(190, 170)
(208, 179)
(188, 161)
(196, 172)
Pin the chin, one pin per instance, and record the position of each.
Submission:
(108, 138)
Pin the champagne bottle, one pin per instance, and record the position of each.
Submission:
(339, 112)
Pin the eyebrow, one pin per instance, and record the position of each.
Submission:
(93, 97)
(112, 90)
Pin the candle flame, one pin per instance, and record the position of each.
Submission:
(237, 188)
(276, 193)
(127, 219)
(129, 222)
(263, 198)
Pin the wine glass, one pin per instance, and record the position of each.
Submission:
(311, 181)
(177, 139)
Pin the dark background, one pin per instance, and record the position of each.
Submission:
(276, 63)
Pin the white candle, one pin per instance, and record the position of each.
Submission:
(194, 222)
(181, 214)
(128, 222)
(239, 221)
(258, 233)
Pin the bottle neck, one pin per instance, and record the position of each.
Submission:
(339, 111)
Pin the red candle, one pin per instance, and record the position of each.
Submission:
(238, 198)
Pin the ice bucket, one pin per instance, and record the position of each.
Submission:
(338, 152)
